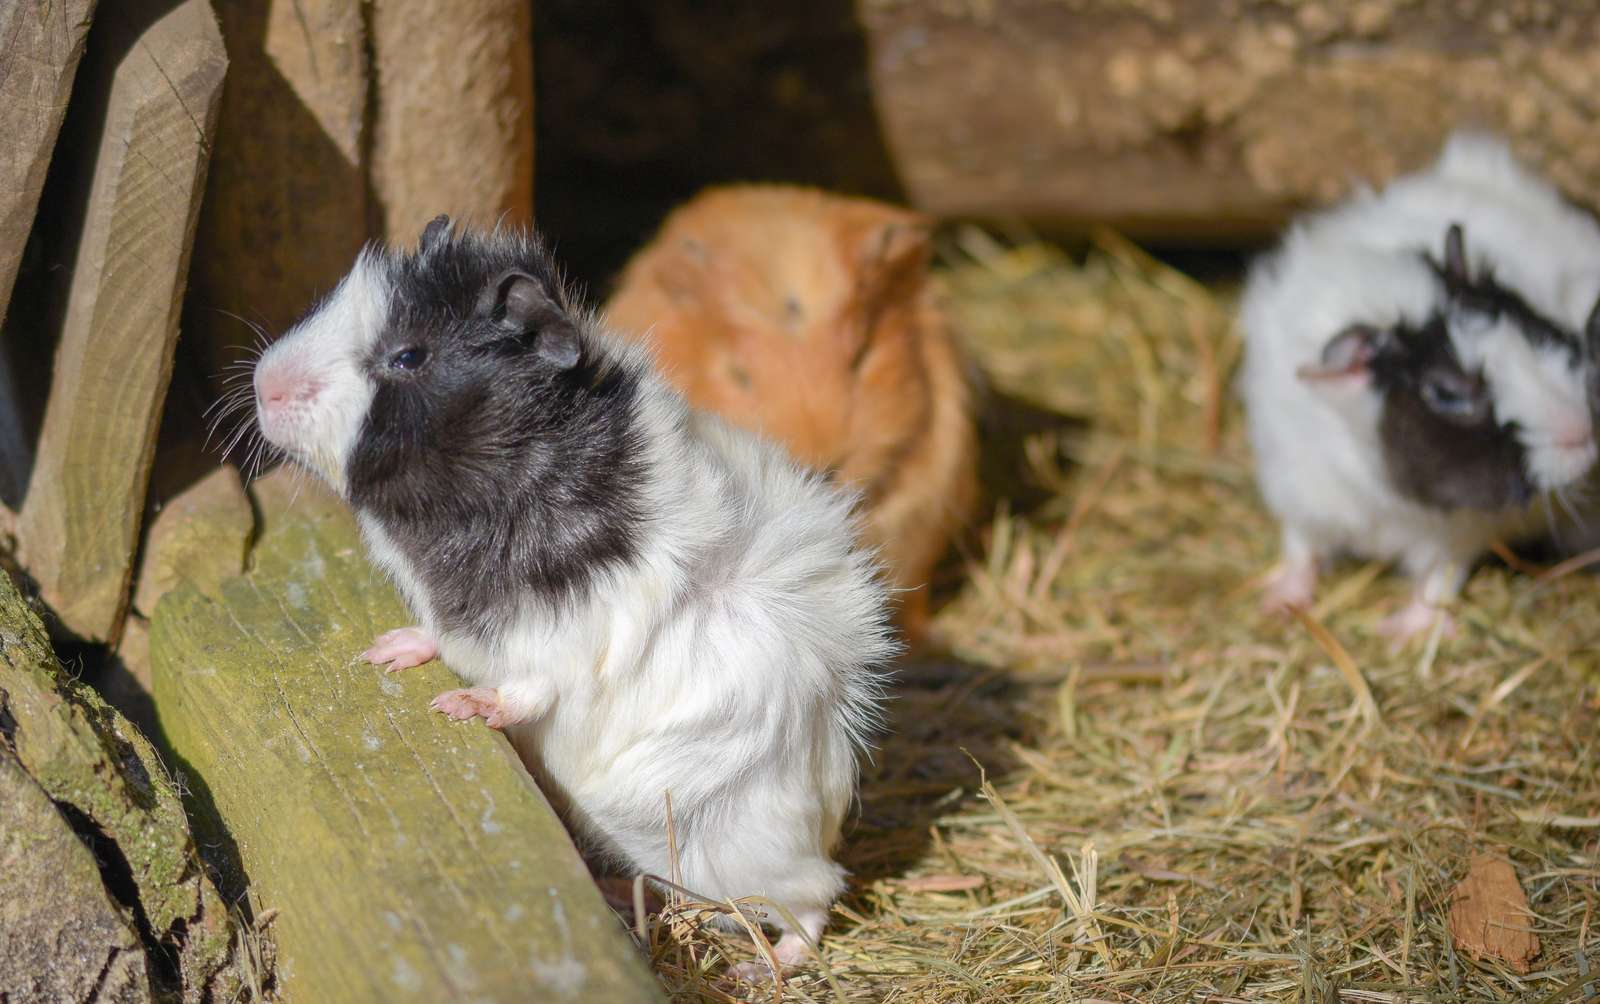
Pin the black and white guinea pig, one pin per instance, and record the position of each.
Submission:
(651, 603)
(1417, 372)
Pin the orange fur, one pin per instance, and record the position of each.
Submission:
(809, 317)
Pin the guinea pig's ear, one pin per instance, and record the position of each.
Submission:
(1591, 332)
(891, 262)
(435, 233)
(1349, 354)
(894, 256)
(520, 305)
(682, 269)
(1455, 257)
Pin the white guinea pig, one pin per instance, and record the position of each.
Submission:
(652, 604)
(1416, 372)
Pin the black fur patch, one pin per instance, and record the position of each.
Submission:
(1484, 294)
(1433, 460)
(499, 474)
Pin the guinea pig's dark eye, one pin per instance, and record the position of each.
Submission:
(1454, 396)
(408, 359)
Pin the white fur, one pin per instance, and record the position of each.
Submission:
(1319, 461)
(731, 669)
(321, 357)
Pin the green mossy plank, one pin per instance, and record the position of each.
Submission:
(410, 858)
(84, 755)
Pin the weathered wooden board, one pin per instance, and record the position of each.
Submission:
(40, 44)
(91, 762)
(453, 126)
(80, 520)
(412, 859)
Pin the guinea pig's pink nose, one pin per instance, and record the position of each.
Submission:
(278, 387)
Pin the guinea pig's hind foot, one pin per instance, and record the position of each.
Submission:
(473, 702)
(402, 648)
(790, 950)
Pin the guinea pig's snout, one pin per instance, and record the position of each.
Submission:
(280, 386)
(285, 395)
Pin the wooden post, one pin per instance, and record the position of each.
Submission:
(80, 520)
(453, 126)
(43, 42)
(411, 858)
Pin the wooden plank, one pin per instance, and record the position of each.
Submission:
(411, 858)
(93, 765)
(80, 520)
(453, 125)
(40, 44)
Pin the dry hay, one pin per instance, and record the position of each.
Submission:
(1133, 785)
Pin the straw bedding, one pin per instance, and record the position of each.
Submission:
(1126, 783)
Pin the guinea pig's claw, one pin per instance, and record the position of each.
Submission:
(474, 702)
(402, 648)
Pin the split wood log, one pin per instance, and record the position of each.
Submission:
(104, 777)
(162, 65)
(42, 43)
(286, 207)
(453, 126)
(1216, 118)
(1200, 119)
(411, 858)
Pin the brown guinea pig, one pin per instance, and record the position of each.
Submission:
(808, 317)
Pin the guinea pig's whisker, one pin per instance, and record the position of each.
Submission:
(1565, 501)
(233, 441)
(215, 425)
(262, 339)
(231, 400)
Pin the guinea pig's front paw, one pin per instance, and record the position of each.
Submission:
(1417, 619)
(474, 702)
(1291, 586)
(402, 648)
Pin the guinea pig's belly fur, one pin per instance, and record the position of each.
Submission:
(734, 669)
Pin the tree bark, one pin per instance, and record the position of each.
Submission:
(99, 777)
